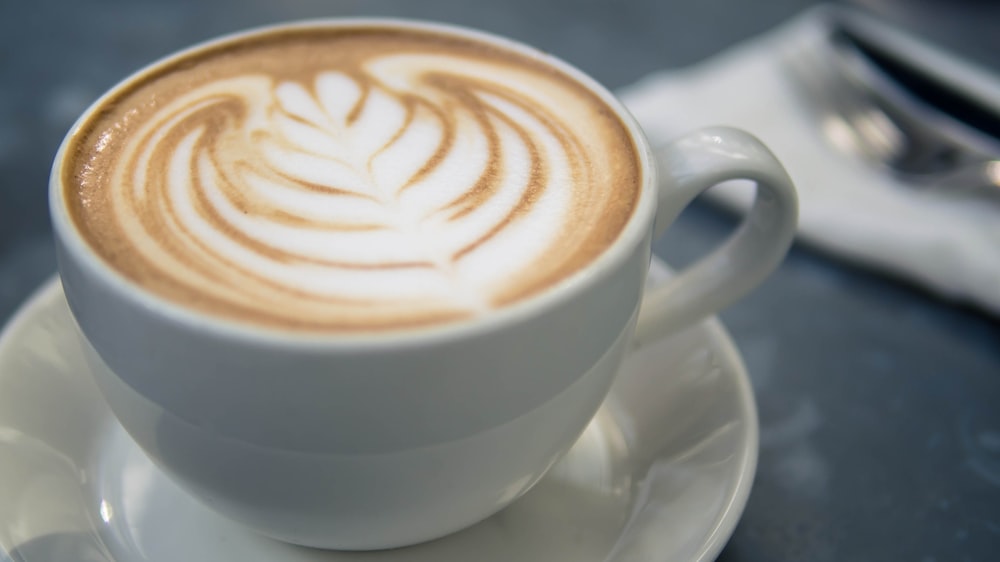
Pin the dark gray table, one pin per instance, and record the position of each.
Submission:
(879, 405)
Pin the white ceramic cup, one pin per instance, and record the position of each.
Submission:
(382, 440)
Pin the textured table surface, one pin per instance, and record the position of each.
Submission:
(879, 405)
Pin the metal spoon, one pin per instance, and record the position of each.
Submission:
(887, 111)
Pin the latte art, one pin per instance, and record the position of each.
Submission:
(353, 180)
(343, 188)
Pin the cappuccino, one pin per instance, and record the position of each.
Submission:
(351, 178)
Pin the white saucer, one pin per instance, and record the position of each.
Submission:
(662, 473)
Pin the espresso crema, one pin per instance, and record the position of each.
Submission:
(351, 179)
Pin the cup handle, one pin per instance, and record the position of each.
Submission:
(689, 166)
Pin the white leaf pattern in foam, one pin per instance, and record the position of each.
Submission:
(312, 206)
(154, 140)
(513, 181)
(338, 94)
(313, 169)
(306, 137)
(459, 170)
(502, 255)
(381, 119)
(399, 162)
(316, 279)
(384, 246)
(133, 201)
(295, 100)
(341, 156)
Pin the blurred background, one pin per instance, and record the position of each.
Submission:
(878, 402)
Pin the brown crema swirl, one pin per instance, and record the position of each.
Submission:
(350, 179)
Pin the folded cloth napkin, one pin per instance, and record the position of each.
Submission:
(848, 207)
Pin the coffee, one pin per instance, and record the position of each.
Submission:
(351, 178)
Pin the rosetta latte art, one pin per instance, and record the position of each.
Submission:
(411, 189)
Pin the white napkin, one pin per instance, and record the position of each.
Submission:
(946, 244)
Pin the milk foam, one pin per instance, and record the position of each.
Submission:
(404, 188)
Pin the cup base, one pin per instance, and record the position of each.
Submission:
(665, 447)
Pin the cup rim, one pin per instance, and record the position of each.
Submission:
(636, 228)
